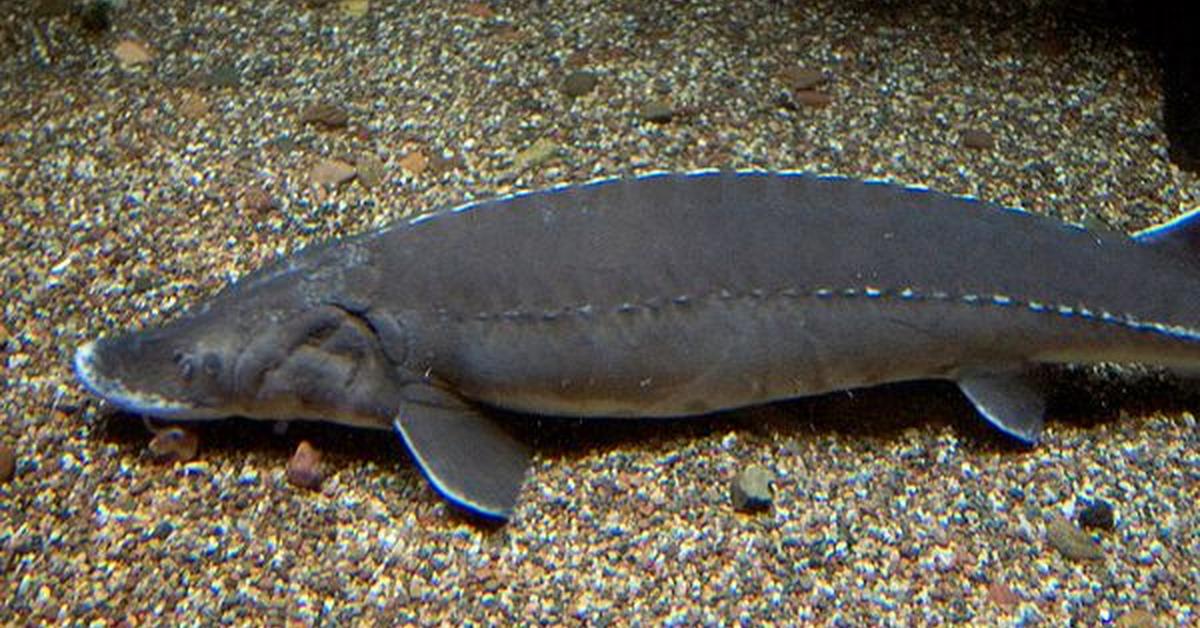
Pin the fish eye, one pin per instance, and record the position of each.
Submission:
(184, 362)
(211, 364)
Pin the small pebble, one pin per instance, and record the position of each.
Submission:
(1097, 515)
(1072, 542)
(355, 8)
(802, 78)
(1001, 595)
(4, 336)
(579, 83)
(96, 15)
(304, 468)
(257, 200)
(414, 163)
(370, 170)
(439, 163)
(1136, 618)
(812, 98)
(978, 139)
(51, 8)
(656, 111)
(478, 9)
(327, 114)
(752, 489)
(538, 153)
(222, 76)
(192, 105)
(131, 53)
(173, 444)
(332, 172)
(8, 463)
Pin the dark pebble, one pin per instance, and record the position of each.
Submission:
(327, 114)
(304, 468)
(1072, 542)
(812, 98)
(802, 78)
(96, 16)
(52, 8)
(656, 111)
(752, 489)
(978, 139)
(1099, 514)
(579, 83)
(174, 444)
(223, 76)
(8, 463)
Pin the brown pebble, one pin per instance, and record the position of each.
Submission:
(1137, 618)
(802, 78)
(257, 200)
(304, 468)
(978, 139)
(1002, 596)
(579, 83)
(192, 105)
(332, 172)
(8, 463)
(4, 336)
(173, 444)
(812, 97)
(478, 9)
(130, 53)
(1072, 542)
(439, 163)
(414, 163)
(327, 114)
(656, 111)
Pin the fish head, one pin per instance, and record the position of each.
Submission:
(260, 357)
(175, 371)
(181, 370)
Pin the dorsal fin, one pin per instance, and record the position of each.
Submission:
(1179, 237)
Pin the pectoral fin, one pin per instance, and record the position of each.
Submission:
(470, 459)
(1010, 401)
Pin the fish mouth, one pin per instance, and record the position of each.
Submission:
(91, 374)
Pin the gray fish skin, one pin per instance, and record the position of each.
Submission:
(666, 295)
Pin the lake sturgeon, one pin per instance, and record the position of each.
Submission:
(665, 295)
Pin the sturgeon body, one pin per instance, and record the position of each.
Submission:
(665, 295)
